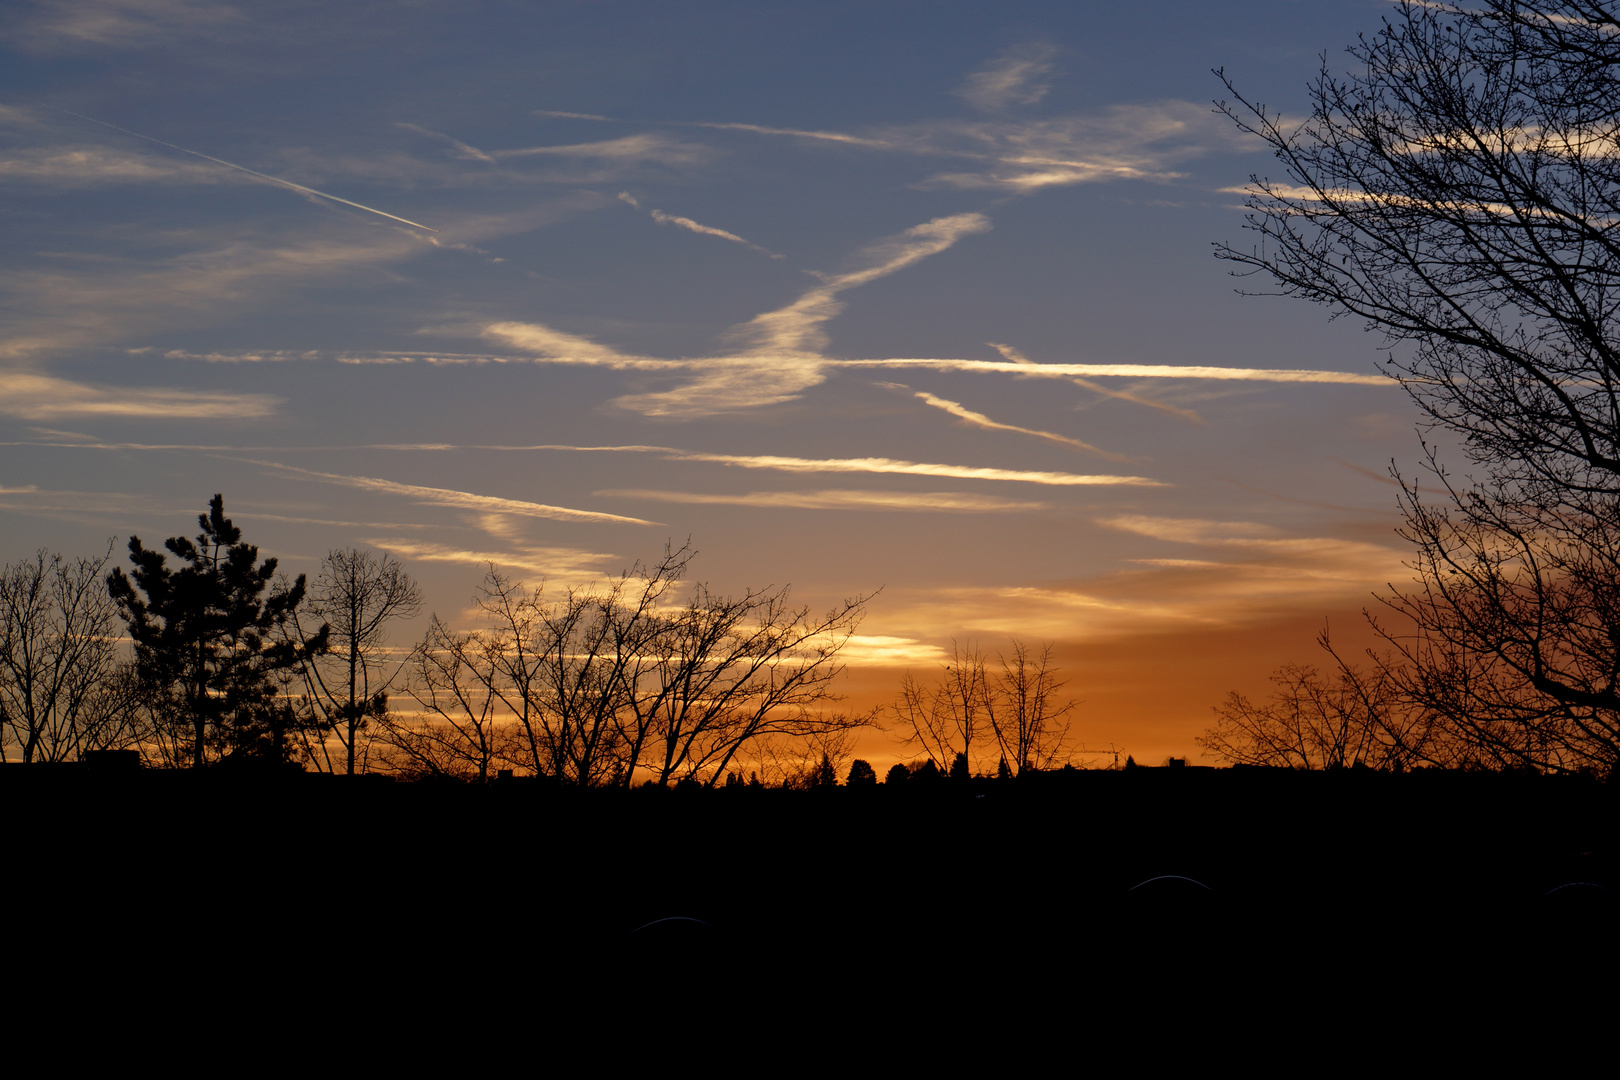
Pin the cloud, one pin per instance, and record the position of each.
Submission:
(1134, 371)
(707, 230)
(85, 166)
(461, 149)
(1017, 357)
(34, 396)
(574, 115)
(957, 502)
(668, 453)
(18, 116)
(263, 356)
(887, 650)
(121, 24)
(776, 355)
(962, 412)
(1244, 574)
(637, 148)
(550, 346)
(1017, 76)
(798, 133)
(553, 563)
(265, 177)
(556, 346)
(797, 327)
(1119, 142)
(465, 500)
(65, 302)
(913, 468)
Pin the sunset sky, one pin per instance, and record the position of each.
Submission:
(910, 296)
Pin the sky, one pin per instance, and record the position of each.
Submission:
(907, 299)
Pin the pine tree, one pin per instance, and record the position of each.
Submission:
(209, 641)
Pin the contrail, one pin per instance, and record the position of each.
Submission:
(250, 172)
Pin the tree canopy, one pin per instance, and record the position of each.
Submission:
(1459, 190)
(208, 641)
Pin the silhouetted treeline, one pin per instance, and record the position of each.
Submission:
(233, 665)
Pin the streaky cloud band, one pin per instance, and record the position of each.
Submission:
(947, 501)
(251, 172)
(462, 499)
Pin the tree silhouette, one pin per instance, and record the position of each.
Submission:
(1031, 726)
(861, 774)
(210, 637)
(1458, 191)
(58, 694)
(949, 718)
(357, 593)
(1314, 721)
(608, 686)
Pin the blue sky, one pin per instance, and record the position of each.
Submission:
(917, 296)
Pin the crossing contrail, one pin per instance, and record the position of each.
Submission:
(250, 172)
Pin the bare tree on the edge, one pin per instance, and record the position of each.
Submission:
(1458, 191)
(58, 693)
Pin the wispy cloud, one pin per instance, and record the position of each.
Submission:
(977, 419)
(641, 148)
(1017, 357)
(1131, 371)
(797, 133)
(464, 500)
(708, 230)
(946, 501)
(1119, 142)
(34, 396)
(557, 564)
(75, 166)
(548, 346)
(912, 468)
(797, 328)
(692, 226)
(459, 148)
(884, 649)
(1017, 76)
(265, 177)
(776, 355)
(1241, 573)
(669, 453)
(261, 356)
(64, 302)
(121, 24)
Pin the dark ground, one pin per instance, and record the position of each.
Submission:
(1365, 901)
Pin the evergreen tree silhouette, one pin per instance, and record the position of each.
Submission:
(208, 639)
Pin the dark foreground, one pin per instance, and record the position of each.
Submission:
(1204, 901)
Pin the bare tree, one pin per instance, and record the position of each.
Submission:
(726, 671)
(1515, 629)
(609, 685)
(1459, 192)
(1031, 725)
(458, 731)
(952, 717)
(567, 669)
(58, 659)
(1344, 719)
(357, 593)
